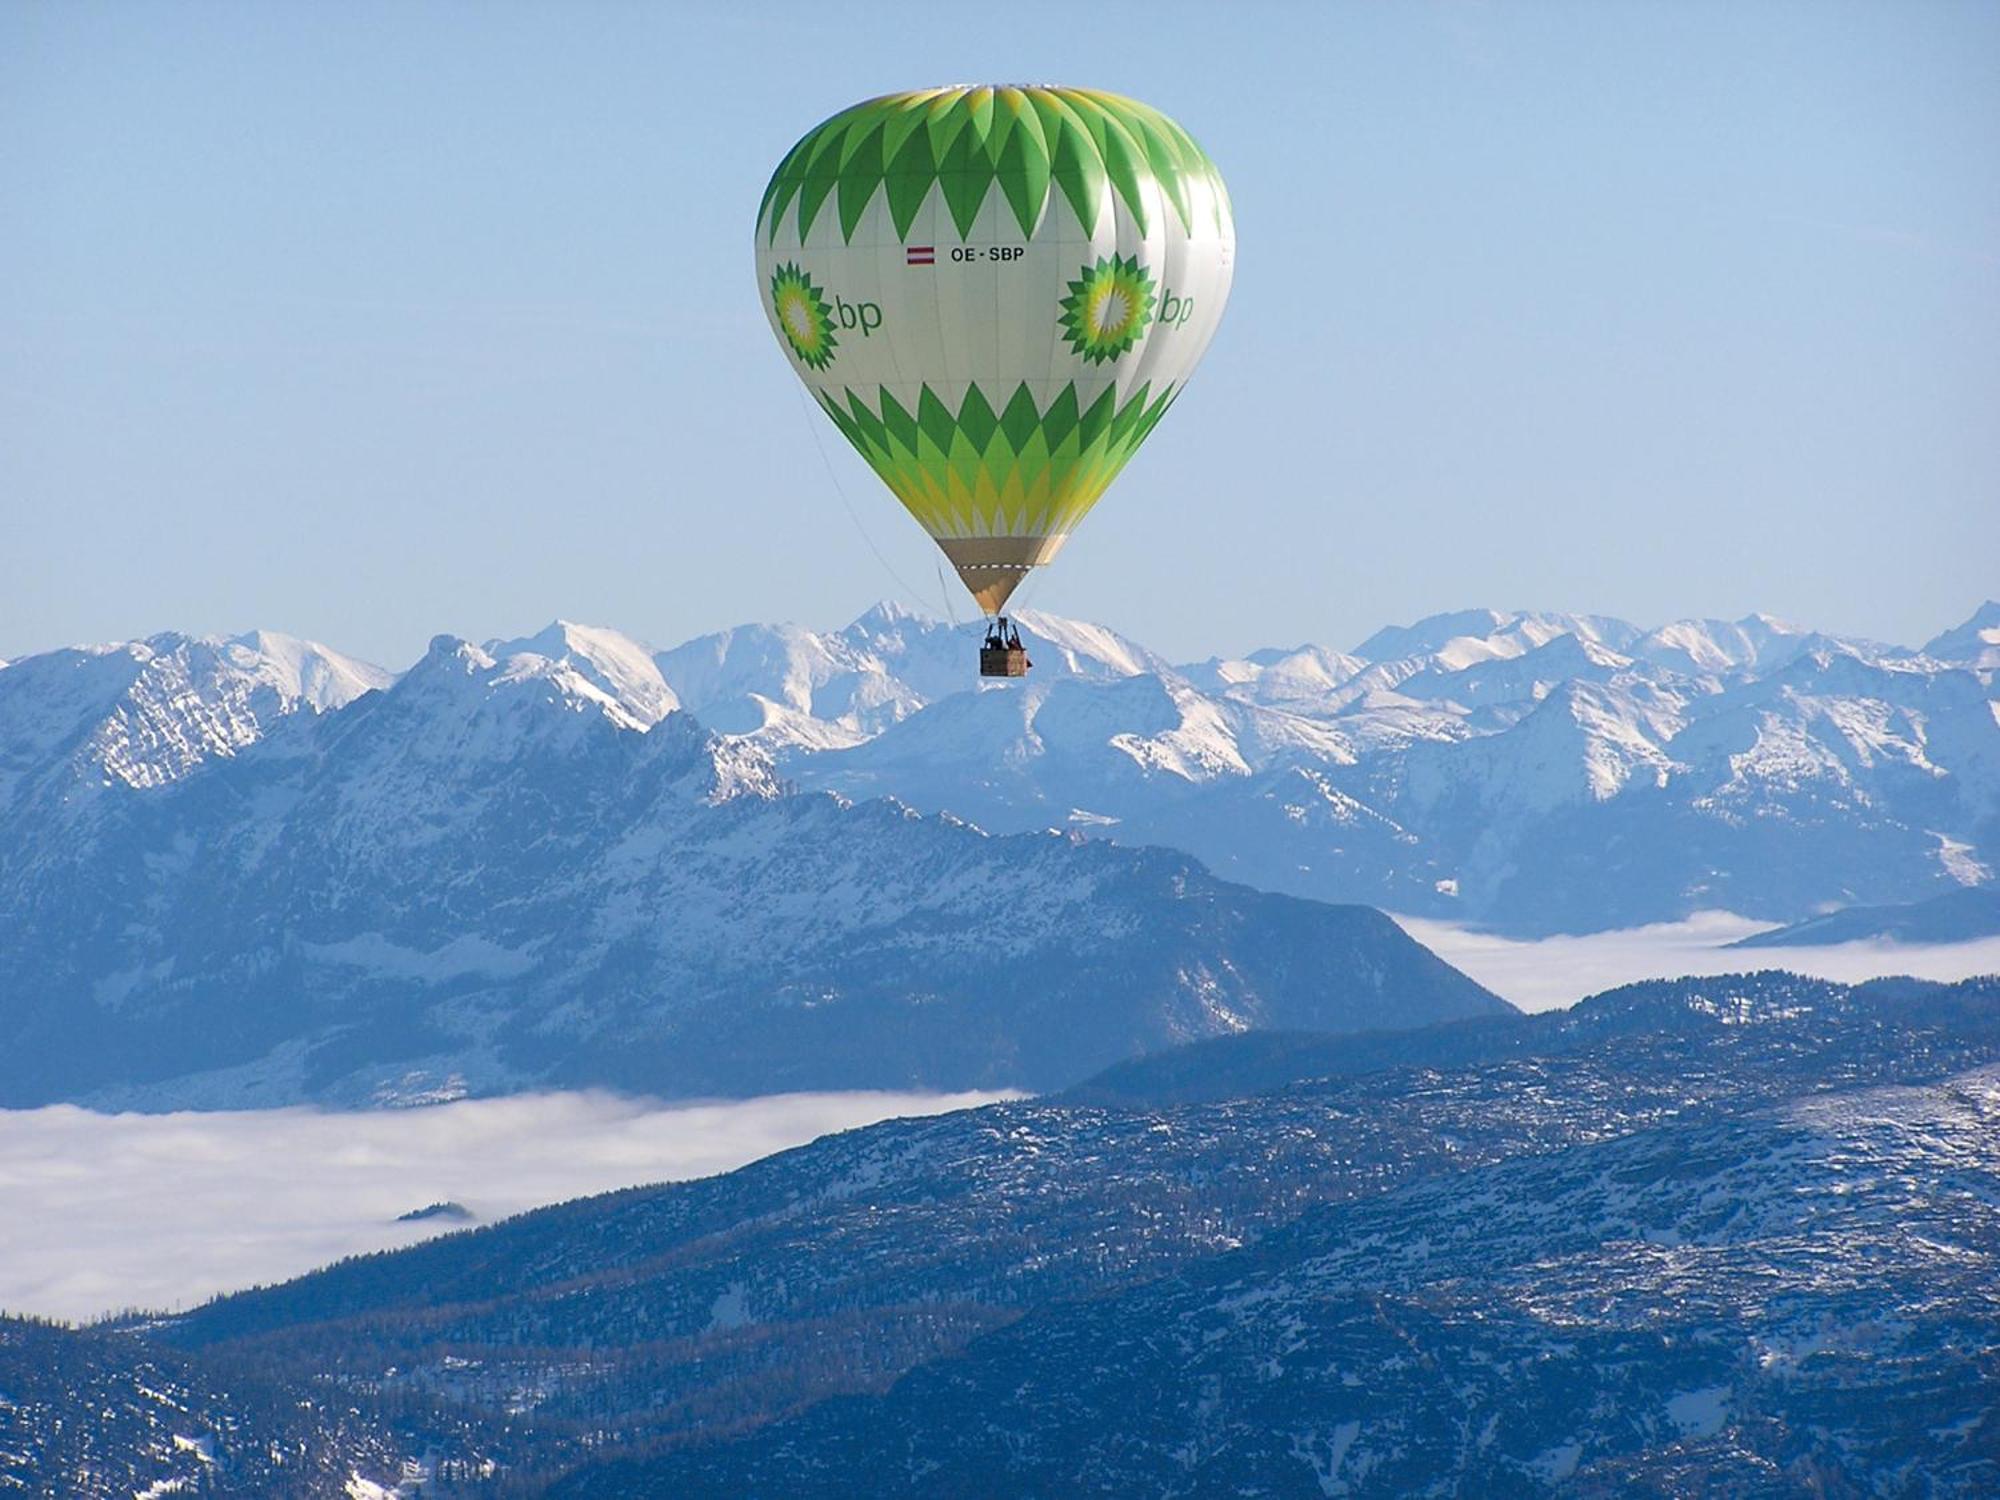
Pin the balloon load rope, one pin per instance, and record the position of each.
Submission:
(910, 596)
(944, 593)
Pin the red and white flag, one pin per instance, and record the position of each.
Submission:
(920, 255)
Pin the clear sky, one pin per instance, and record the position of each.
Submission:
(366, 322)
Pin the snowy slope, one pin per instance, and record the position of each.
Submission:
(265, 820)
(146, 713)
(1752, 763)
(618, 666)
(1772, 1305)
(1303, 681)
(797, 689)
(1677, 1260)
(1466, 637)
(501, 871)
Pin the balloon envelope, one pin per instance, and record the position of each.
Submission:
(995, 293)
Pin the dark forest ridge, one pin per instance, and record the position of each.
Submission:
(1714, 1112)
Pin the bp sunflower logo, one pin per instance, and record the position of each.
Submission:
(1108, 307)
(804, 316)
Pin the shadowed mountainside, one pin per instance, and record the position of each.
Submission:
(696, 1311)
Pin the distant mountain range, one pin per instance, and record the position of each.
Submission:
(1530, 772)
(1727, 1236)
(255, 870)
(1955, 917)
(252, 872)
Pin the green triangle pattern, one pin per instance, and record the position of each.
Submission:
(1024, 142)
(1012, 470)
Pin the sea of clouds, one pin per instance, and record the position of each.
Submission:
(1548, 973)
(102, 1212)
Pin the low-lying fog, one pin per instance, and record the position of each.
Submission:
(102, 1212)
(1545, 973)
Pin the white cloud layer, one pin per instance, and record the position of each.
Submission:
(1548, 973)
(100, 1212)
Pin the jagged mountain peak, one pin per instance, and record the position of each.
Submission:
(1759, 620)
(148, 712)
(449, 653)
(1828, 669)
(1986, 617)
(1584, 741)
(463, 698)
(1099, 739)
(1393, 642)
(1302, 676)
(1523, 679)
(885, 615)
(1750, 646)
(1973, 643)
(801, 689)
(1460, 638)
(711, 768)
(307, 670)
(752, 678)
(617, 664)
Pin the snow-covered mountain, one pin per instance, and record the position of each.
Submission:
(573, 856)
(618, 667)
(797, 690)
(516, 866)
(148, 712)
(1974, 644)
(1533, 771)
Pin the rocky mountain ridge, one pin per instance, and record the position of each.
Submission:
(1478, 766)
(510, 869)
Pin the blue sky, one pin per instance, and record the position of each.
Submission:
(367, 322)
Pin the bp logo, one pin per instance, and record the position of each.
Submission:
(804, 316)
(1108, 307)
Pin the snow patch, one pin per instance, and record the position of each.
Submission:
(1700, 1413)
(1960, 860)
(731, 1308)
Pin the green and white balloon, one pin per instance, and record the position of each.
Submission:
(995, 293)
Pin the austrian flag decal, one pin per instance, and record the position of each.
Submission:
(920, 255)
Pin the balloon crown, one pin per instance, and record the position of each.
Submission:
(1028, 141)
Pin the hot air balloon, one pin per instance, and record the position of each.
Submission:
(995, 293)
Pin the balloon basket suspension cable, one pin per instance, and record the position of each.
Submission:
(910, 595)
(944, 593)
